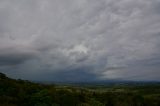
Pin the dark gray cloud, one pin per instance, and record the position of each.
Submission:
(73, 39)
(13, 59)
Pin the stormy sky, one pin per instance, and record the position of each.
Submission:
(80, 40)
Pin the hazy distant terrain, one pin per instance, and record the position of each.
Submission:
(25, 93)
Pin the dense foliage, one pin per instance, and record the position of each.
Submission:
(25, 93)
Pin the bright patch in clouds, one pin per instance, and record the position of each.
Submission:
(79, 49)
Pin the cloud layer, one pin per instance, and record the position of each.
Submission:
(77, 40)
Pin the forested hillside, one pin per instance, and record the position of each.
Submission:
(25, 93)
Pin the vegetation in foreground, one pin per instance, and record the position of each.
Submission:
(25, 93)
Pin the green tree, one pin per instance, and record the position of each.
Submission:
(41, 98)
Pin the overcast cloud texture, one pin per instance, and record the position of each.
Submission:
(80, 40)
